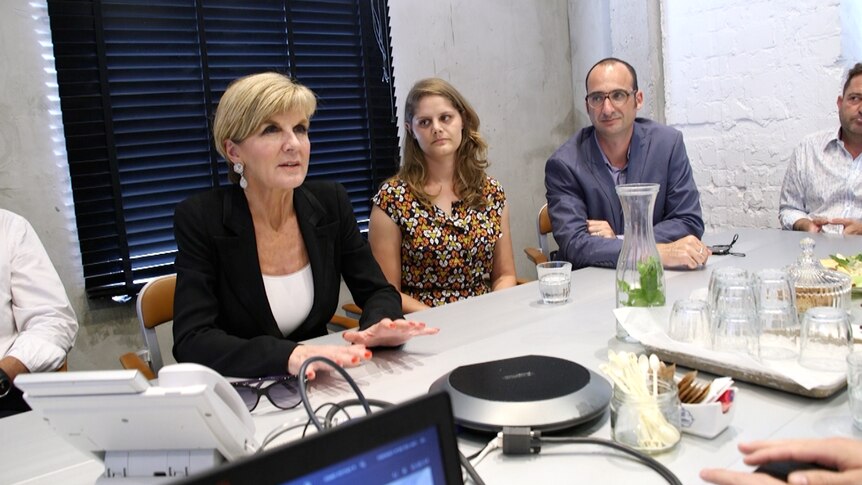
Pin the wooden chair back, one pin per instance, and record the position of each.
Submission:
(155, 306)
(543, 231)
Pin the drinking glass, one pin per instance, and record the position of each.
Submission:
(776, 311)
(854, 387)
(724, 281)
(735, 329)
(689, 322)
(826, 339)
(555, 281)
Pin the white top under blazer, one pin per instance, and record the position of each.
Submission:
(290, 298)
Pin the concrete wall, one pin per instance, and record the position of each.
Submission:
(626, 29)
(636, 38)
(34, 178)
(590, 38)
(511, 60)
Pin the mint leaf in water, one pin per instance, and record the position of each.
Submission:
(649, 293)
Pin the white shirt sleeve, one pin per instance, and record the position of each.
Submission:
(791, 206)
(37, 323)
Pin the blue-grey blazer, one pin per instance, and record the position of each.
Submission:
(579, 187)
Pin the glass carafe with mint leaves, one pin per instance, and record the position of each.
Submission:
(640, 276)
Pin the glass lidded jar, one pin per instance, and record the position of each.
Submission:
(815, 285)
(647, 422)
(640, 275)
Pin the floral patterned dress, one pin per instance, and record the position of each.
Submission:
(444, 257)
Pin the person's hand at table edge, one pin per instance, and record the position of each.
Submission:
(388, 333)
(343, 355)
(686, 253)
(842, 454)
(851, 226)
(815, 224)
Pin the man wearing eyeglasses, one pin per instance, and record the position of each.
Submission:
(822, 190)
(619, 148)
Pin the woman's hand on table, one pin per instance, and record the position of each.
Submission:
(388, 333)
(343, 355)
(843, 454)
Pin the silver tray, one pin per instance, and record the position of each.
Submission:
(761, 378)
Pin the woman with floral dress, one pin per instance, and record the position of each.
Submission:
(440, 228)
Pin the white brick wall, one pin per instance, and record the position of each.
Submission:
(851, 31)
(744, 81)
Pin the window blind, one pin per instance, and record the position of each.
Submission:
(139, 81)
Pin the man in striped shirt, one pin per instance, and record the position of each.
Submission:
(822, 190)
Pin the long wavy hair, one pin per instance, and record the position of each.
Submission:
(470, 159)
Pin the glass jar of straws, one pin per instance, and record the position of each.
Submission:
(645, 421)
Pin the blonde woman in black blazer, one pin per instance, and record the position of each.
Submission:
(259, 263)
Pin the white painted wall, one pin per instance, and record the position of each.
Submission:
(745, 81)
(851, 31)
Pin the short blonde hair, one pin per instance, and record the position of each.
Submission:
(250, 101)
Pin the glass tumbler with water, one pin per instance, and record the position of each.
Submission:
(555, 281)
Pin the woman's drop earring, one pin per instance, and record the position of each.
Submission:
(239, 169)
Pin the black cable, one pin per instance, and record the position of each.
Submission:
(276, 433)
(305, 428)
(316, 411)
(360, 399)
(327, 421)
(335, 408)
(475, 454)
(303, 392)
(470, 470)
(643, 458)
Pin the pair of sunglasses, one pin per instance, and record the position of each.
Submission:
(282, 391)
(724, 249)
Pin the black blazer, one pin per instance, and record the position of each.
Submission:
(222, 318)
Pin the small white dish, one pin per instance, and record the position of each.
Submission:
(707, 420)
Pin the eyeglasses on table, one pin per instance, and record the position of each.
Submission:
(724, 249)
(282, 391)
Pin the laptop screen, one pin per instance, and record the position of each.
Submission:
(412, 443)
(415, 460)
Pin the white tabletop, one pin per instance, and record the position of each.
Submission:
(513, 323)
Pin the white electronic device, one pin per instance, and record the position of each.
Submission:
(193, 419)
